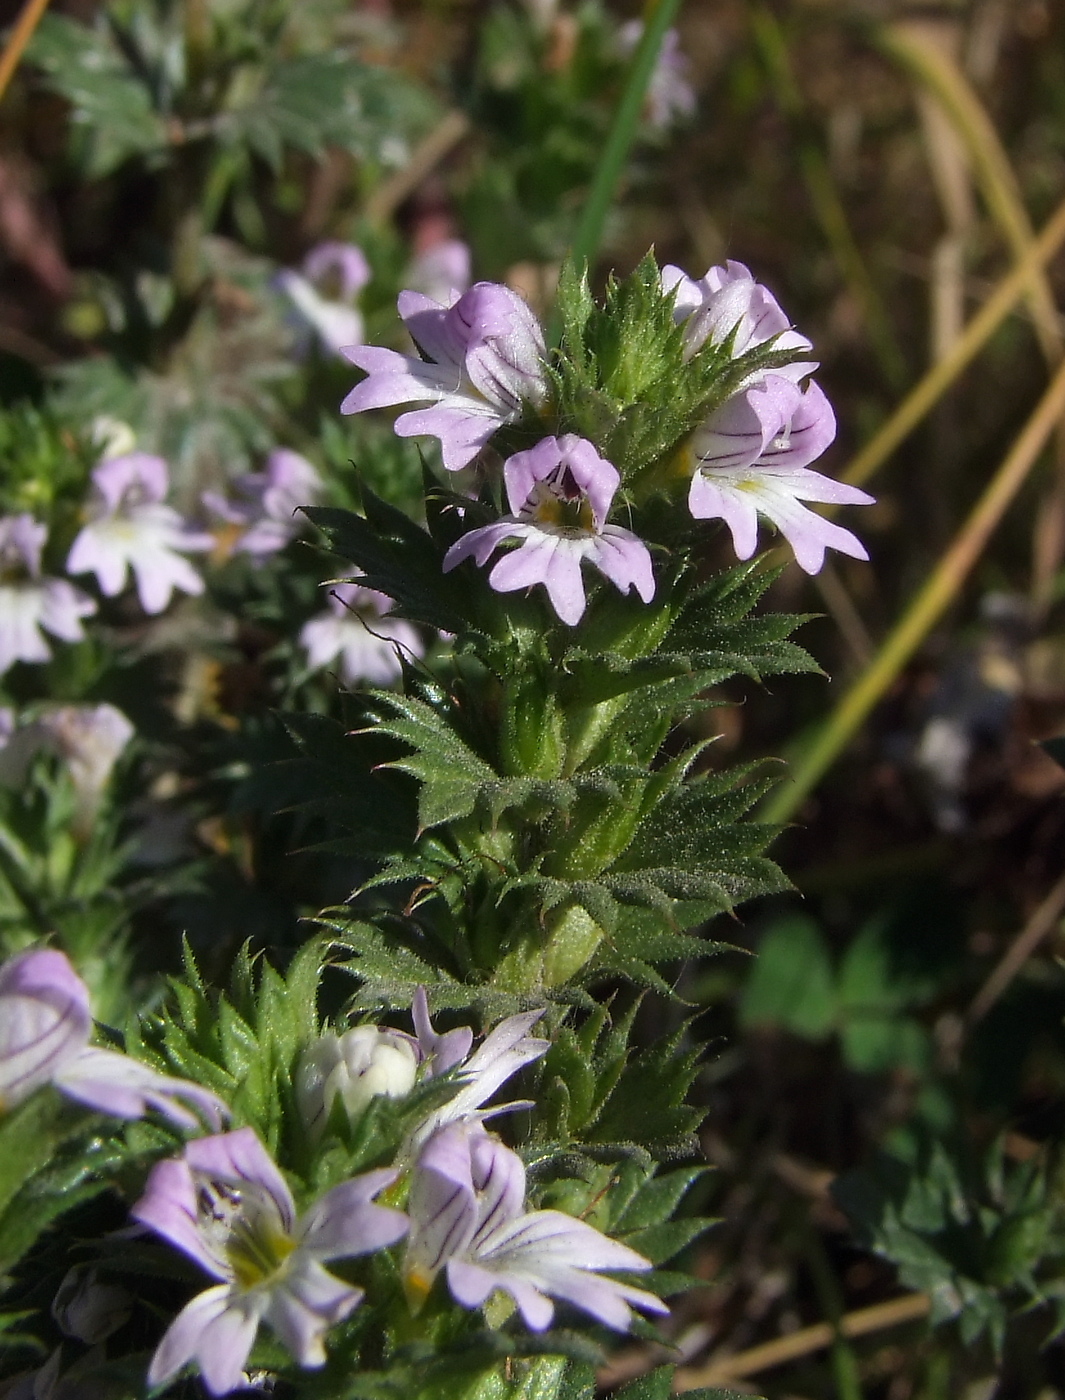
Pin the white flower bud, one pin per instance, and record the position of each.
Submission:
(362, 1064)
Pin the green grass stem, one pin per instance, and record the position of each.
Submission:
(588, 237)
(935, 595)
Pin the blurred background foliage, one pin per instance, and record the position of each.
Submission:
(885, 1081)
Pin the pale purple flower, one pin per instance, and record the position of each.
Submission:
(728, 302)
(359, 631)
(129, 527)
(45, 1025)
(484, 360)
(29, 602)
(670, 98)
(507, 1048)
(751, 459)
(441, 272)
(225, 1204)
(560, 493)
(468, 1217)
(266, 515)
(361, 1064)
(324, 293)
(89, 738)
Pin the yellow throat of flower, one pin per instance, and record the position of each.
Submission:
(257, 1251)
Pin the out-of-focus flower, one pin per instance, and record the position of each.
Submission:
(113, 436)
(225, 1204)
(468, 1217)
(324, 293)
(129, 527)
(29, 602)
(670, 98)
(441, 272)
(751, 459)
(359, 631)
(44, 1039)
(363, 1063)
(728, 302)
(86, 1308)
(560, 493)
(266, 516)
(484, 361)
(89, 739)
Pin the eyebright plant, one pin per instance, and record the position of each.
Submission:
(465, 1175)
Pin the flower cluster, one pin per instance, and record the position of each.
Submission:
(225, 1204)
(752, 456)
(483, 367)
(130, 533)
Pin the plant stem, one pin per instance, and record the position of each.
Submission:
(824, 196)
(933, 598)
(911, 1307)
(17, 40)
(911, 43)
(980, 329)
(622, 131)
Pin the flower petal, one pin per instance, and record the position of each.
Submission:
(343, 1223)
(305, 1306)
(126, 1088)
(44, 1021)
(238, 1157)
(168, 1206)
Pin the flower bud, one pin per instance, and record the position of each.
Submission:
(87, 1309)
(362, 1064)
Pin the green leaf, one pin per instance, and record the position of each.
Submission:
(450, 773)
(112, 102)
(792, 985)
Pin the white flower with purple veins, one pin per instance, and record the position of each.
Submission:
(324, 293)
(129, 527)
(483, 361)
(507, 1048)
(45, 1025)
(266, 515)
(226, 1205)
(751, 459)
(468, 1218)
(728, 302)
(358, 630)
(560, 493)
(30, 603)
(670, 98)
